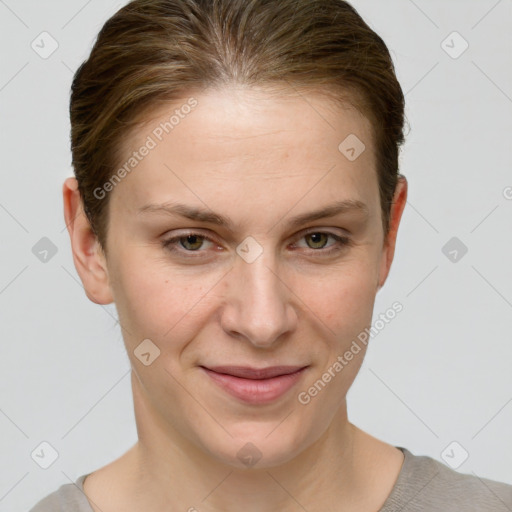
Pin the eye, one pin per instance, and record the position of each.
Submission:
(188, 242)
(318, 240)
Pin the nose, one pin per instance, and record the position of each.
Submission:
(259, 305)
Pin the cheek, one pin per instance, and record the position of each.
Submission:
(342, 298)
(156, 302)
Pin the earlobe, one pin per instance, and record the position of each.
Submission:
(88, 256)
(388, 249)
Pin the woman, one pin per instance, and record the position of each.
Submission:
(237, 195)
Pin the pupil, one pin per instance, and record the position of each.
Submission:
(192, 240)
(316, 238)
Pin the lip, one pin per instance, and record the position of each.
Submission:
(255, 385)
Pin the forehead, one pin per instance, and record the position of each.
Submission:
(235, 116)
(245, 140)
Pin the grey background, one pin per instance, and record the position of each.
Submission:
(440, 372)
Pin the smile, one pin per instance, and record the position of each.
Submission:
(255, 385)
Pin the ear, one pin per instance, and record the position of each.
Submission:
(388, 249)
(88, 256)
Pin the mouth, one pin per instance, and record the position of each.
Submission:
(255, 385)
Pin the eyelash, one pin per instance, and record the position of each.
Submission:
(171, 243)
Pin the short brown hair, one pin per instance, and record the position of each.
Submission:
(152, 51)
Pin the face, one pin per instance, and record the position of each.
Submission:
(249, 249)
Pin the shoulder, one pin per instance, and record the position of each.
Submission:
(67, 498)
(426, 484)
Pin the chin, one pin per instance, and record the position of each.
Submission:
(258, 446)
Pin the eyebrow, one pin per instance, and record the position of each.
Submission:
(352, 206)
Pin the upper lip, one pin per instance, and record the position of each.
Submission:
(247, 372)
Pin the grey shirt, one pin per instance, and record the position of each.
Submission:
(423, 484)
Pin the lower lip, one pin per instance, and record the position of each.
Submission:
(254, 391)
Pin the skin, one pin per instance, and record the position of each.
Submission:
(258, 159)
